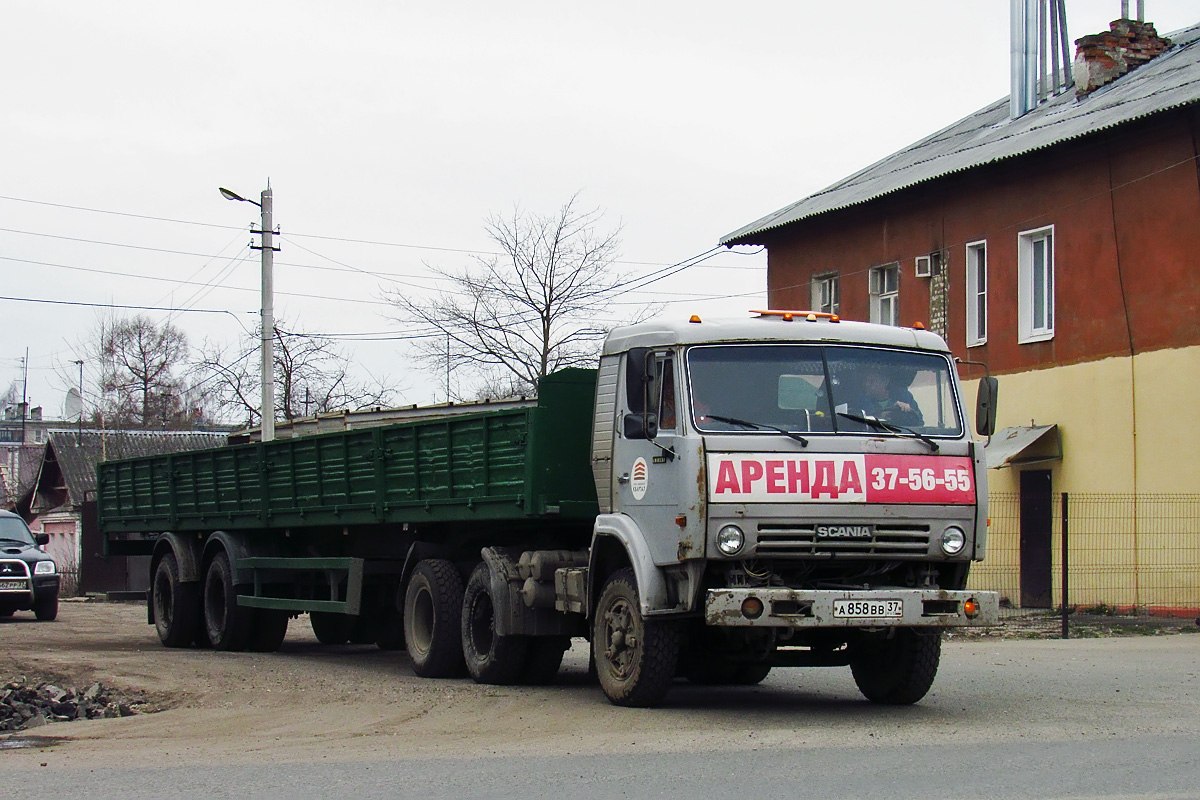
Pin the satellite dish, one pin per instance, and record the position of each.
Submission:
(73, 404)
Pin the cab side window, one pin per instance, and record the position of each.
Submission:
(665, 380)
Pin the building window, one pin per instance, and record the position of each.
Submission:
(976, 294)
(826, 294)
(1035, 291)
(885, 294)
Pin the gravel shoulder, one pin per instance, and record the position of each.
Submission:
(311, 702)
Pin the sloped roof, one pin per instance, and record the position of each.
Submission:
(14, 485)
(70, 460)
(1169, 81)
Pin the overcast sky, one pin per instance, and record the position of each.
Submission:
(390, 130)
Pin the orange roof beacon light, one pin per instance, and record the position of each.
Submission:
(918, 326)
(789, 315)
(695, 318)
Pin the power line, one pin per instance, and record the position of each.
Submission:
(120, 306)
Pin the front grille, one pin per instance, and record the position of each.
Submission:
(12, 569)
(800, 540)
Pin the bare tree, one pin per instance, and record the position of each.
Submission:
(312, 376)
(140, 385)
(528, 311)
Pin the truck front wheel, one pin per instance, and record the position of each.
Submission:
(897, 671)
(176, 605)
(433, 619)
(490, 658)
(229, 625)
(635, 657)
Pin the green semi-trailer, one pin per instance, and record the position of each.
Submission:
(714, 501)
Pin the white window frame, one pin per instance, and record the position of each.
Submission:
(826, 286)
(977, 304)
(1035, 285)
(885, 300)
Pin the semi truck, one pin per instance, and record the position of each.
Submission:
(717, 499)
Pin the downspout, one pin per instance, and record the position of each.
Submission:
(1112, 206)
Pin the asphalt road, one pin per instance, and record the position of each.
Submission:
(1086, 718)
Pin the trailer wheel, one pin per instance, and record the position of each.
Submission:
(900, 670)
(635, 657)
(270, 627)
(391, 627)
(229, 625)
(544, 659)
(176, 605)
(330, 627)
(433, 620)
(490, 658)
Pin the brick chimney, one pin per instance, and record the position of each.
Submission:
(1103, 57)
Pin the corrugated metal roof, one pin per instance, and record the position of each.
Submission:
(989, 135)
(76, 454)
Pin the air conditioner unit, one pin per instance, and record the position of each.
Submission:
(924, 267)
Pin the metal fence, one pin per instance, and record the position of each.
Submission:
(1112, 554)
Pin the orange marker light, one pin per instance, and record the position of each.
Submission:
(752, 608)
(695, 318)
(971, 609)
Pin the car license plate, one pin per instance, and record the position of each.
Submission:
(10, 585)
(868, 609)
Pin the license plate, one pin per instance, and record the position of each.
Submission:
(11, 585)
(868, 609)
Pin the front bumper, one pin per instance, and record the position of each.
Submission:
(804, 608)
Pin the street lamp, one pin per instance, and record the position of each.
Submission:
(268, 302)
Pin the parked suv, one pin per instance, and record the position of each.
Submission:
(28, 577)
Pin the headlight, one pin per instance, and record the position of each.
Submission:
(953, 540)
(730, 539)
(43, 568)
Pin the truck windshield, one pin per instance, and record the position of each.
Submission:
(13, 529)
(802, 387)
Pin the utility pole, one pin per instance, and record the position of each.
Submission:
(24, 393)
(267, 231)
(268, 315)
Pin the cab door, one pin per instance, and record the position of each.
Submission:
(646, 456)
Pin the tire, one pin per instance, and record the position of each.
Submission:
(544, 659)
(270, 627)
(176, 605)
(331, 628)
(391, 625)
(229, 626)
(46, 608)
(433, 620)
(490, 658)
(635, 657)
(898, 671)
(7, 612)
(365, 629)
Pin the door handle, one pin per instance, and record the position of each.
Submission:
(623, 478)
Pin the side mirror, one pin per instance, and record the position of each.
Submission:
(637, 378)
(985, 406)
(42, 539)
(641, 426)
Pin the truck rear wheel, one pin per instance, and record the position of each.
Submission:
(229, 626)
(270, 628)
(176, 605)
(490, 658)
(433, 620)
(331, 628)
(544, 659)
(897, 671)
(635, 657)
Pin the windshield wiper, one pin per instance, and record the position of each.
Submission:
(759, 426)
(890, 427)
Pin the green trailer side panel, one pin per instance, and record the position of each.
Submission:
(492, 465)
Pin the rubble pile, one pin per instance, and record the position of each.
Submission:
(24, 706)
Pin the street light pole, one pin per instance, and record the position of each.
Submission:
(268, 316)
(267, 231)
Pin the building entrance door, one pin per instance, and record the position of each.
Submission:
(1036, 524)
